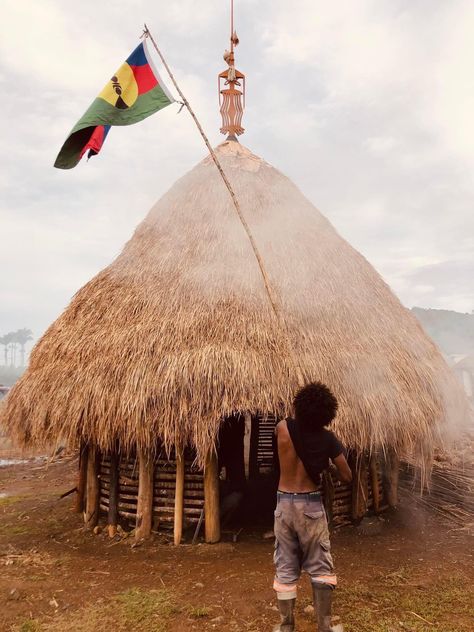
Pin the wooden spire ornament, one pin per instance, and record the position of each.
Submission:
(231, 99)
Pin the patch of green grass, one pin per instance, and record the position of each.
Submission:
(13, 529)
(10, 500)
(200, 612)
(30, 625)
(391, 607)
(139, 606)
(135, 609)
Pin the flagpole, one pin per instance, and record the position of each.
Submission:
(266, 280)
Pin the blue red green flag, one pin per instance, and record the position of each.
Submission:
(133, 93)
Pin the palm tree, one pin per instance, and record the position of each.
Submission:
(22, 336)
(5, 341)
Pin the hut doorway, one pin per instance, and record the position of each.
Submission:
(247, 474)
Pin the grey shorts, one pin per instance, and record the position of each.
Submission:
(301, 542)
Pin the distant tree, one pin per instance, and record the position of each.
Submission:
(5, 341)
(12, 346)
(22, 336)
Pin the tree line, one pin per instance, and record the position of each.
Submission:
(15, 342)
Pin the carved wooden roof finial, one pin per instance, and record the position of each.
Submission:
(231, 99)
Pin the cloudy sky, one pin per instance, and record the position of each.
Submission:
(368, 105)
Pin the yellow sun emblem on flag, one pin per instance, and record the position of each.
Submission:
(122, 90)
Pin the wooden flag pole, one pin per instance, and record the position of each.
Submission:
(235, 201)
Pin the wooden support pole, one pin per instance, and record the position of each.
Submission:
(179, 498)
(81, 479)
(146, 468)
(391, 473)
(112, 518)
(211, 499)
(374, 482)
(91, 515)
(360, 487)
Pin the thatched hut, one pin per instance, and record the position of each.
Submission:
(178, 335)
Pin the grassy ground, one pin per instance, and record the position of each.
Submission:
(392, 608)
(412, 573)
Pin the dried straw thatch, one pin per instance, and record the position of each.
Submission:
(178, 331)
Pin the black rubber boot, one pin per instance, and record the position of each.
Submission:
(322, 595)
(287, 614)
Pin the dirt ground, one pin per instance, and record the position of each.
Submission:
(411, 571)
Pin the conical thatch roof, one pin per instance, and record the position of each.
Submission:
(178, 331)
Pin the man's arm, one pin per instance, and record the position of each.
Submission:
(341, 468)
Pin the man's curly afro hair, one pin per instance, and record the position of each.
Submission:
(315, 406)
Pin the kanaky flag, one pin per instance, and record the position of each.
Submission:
(134, 92)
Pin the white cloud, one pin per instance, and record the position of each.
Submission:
(381, 144)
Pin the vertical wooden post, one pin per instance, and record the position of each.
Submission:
(391, 473)
(91, 516)
(253, 455)
(374, 481)
(81, 479)
(360, 487)
(179, 497)
(112, 517)
(145, 495)
(211, 499)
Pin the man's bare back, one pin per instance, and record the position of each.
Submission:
(293, 476)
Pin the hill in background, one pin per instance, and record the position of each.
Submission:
(453, 332)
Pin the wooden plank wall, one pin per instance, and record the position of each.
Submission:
(163, 489)
(342, 511)
(347, 503)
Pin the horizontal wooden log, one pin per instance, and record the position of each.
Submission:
(161, 476)
(170, 519)
(169, 502)
(170, 510)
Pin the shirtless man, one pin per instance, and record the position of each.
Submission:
(305, 447)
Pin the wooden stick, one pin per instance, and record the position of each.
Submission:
(374, 481)
(211, 499)
(91, 516)
(68, 493)
(145, 496)
(113, 513)
(81, 479)
(360, 488)
(198, 526)
(179, 498)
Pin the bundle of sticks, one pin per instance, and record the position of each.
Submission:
(450, 490)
